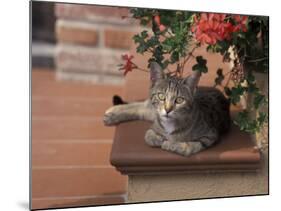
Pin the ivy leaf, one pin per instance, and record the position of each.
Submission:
(236, 93)
(141, 48)
(262, 118)
(201, 65)
(245, 123)
(144, 34)
(259, 100)
(252, 88)
(250, 78)
(219, 78)
(200, 60)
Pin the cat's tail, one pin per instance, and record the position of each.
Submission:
(117, 100)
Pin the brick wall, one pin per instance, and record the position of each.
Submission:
(90, 41)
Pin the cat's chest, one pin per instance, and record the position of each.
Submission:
(168, 126)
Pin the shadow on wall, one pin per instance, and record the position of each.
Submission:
(43, 34)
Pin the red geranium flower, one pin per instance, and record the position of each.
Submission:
(129, 65)
(241, 22)
(209, 28)
(158, 23)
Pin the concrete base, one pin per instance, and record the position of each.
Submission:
(192, 186)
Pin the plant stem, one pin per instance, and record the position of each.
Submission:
(141, 69)
(189, 56)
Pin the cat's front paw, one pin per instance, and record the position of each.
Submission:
(110, 117)
(180, 148)
(166, 145)
(153, 139)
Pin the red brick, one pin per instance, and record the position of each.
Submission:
(57, 202)
(115, 38)
(94, 13)
(75, 34)
(76, 182)
(74, 153)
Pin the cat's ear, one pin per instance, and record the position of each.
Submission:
(156, 72)
(193, 80)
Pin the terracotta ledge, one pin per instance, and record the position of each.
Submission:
(131, 156)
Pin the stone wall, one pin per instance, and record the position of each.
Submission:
(90, 42)
(199, 185)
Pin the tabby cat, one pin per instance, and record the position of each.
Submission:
(186, 119)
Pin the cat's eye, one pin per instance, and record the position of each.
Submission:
(179, 100)
(161, 96)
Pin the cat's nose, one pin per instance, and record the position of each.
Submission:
(168, 108)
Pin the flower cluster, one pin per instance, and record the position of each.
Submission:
(210, 28)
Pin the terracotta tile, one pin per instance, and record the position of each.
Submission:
(45, 84)
(43, 203)
(58, 106)
(70, 128)
(77, 182)
(55, 153)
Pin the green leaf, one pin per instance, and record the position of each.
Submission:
(200, 68)
(219, 78)
(259, 100)
(250, 78)
(252, 88)
(245, 123)
(236, 93)
(262, 118)
(201, 65)
(200, 60)
(144, 34)
(227, 91)
(174, 57)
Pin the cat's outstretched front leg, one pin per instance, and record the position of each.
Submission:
(187, 148)
(128, 112)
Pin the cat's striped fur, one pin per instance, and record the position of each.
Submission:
(186, 119)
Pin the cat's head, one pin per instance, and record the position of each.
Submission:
(171, 96)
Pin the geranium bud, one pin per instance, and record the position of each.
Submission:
(157, 20)
(162, 28)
